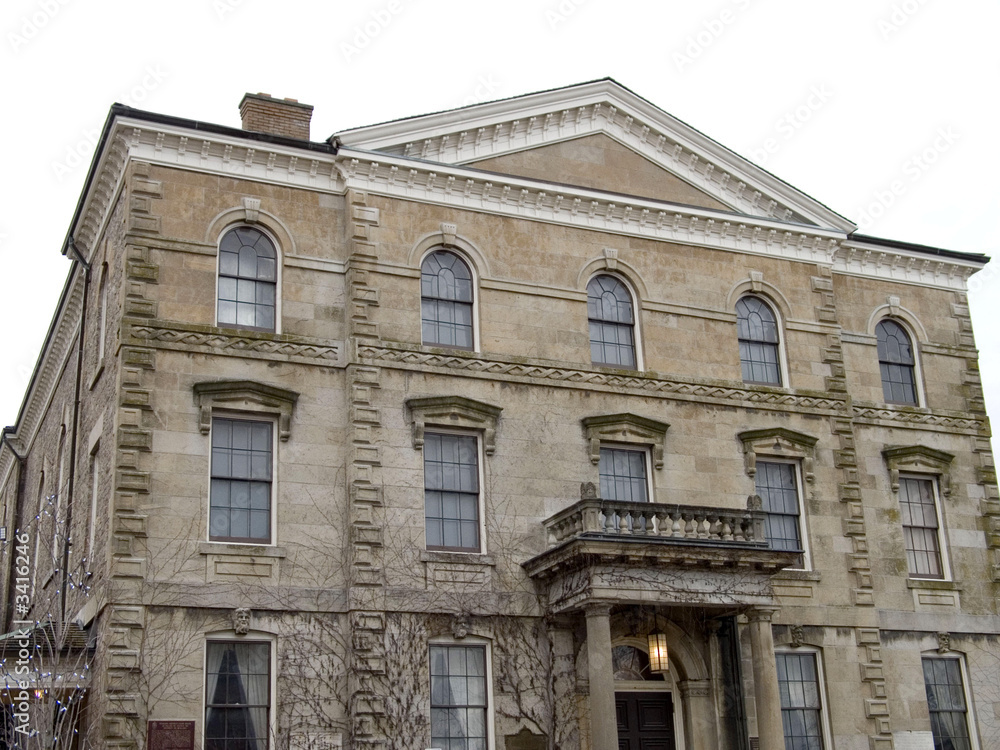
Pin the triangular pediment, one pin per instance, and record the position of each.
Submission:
(643, 151)
(601, 163)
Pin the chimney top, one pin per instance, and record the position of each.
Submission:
(267, 114)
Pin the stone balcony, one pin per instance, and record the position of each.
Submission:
(626, 552)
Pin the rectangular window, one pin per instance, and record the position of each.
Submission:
(918, 512)
(451, 492)
(237, 695)
(623, 475)
(458, 697)
(946, 703)
(777, 486)
(801, 706)
(242, 466)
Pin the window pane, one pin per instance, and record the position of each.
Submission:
(777, 487)
(896, 363)
(241, 479)
(451, 491)
(609, 309)
(446, 301)
(946, 703)
(758, 341)
(623, 475)
(458, 696)
(237, 696)
(798, 686)
(918, 514)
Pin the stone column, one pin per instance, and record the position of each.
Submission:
(765, 680)
(603, 723)
(700, 710)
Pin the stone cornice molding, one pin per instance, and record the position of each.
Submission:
(244, 395)
(918, 459)
(895, 264)
(625, 428)
(918, 417)
(459, 187)
(454, 412)
(605, 106)
(537, 200)
(497, 367)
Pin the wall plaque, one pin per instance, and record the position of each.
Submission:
(170, 735)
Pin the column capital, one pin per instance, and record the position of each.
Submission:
(597, 609)
(761, 614)
(696, 688)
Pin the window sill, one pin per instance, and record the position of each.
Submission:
(251, 550)
(98, 371)
(934, 584)
(460, 558)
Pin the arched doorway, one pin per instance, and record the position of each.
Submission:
(647, 708)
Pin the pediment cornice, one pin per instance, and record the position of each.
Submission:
(498, 128)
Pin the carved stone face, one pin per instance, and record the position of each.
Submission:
(460, 627)
(241, 621)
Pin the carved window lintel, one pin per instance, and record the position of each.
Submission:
(455, 412)
(248, 396)
(625, 428)
(920, 460)
(779, 442)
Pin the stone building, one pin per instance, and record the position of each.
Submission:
(541, 423)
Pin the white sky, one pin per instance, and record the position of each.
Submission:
(849, 96)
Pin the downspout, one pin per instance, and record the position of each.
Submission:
(71, 486)
(8, 610)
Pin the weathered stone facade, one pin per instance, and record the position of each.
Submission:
(562, 583)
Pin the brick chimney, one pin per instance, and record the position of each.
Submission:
(265, 114)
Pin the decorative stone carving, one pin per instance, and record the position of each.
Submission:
(245, 395)
(454, 412)
(757, 281)
(407, 357)
(251, 207)
(449, 232)
(241, 620)
(754, 502)
(944, 642)
(588, 491)
(460, 626)
(919, 459)
(893, 302)
(625, 428)
(779, 442)
(611, 258)
(796, 634)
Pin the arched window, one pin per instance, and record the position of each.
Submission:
(758, 337)
(895, 360)
(609, 309)
(248, 274)
(446, 301)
